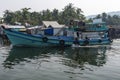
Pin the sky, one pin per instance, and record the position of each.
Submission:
(89, 7)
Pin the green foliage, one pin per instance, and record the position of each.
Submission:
(35, 18)
(110, 20)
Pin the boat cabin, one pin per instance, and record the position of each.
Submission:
(48, 28)
(82, 30)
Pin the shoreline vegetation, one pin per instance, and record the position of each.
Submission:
(24, 16)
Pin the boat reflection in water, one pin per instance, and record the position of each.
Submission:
(19, 54)
(1, 42)
(71, 57)
(86, 56)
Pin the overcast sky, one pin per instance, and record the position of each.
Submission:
(89, 7)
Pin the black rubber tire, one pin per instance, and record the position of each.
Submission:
(45, 39)
(99, 40)
(62, 42)
(86, 42)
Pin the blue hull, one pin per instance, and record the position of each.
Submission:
(23, 39)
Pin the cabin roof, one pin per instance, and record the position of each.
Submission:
(54, 24)
(35, 27)
(13, 26)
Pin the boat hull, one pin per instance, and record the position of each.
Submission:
(24, 39)
(21, 39)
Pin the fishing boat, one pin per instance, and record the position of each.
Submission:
(77, 33)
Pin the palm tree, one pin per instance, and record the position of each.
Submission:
(26, 14)
(8, 15)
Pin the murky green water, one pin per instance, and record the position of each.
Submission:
(50, 63)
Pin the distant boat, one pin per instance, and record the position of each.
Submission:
(81, 34)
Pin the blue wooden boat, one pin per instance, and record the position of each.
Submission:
(83, 36)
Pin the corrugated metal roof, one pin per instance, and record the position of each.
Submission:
(54, 24)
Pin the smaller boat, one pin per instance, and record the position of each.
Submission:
(77, 33)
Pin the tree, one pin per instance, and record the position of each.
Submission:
(110, 20)
(70, 12)
(98, 16)
(36, 18)
(46, 15)
(8, 17)
(26, 15)
(104, 17)
(55, 14)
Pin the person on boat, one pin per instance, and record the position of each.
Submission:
(86, 38)
(81, 25)
(28, 31)
(111, 32)
(76, 41)
(86, 42)
(64, 32)
(77, 33)
(71, 24)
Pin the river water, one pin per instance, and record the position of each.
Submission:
(51, 63)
